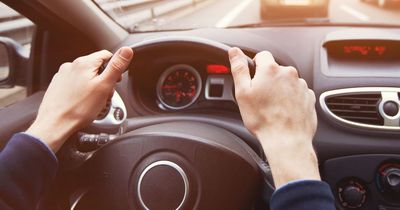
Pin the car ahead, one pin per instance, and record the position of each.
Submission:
(172, 134)
(292, 9)
(383, 3)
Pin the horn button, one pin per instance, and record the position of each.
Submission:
(163, 185)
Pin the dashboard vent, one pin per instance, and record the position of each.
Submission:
(359, 108)
(372, 108)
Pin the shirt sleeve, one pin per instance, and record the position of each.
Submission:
(27, 167)
(304, 194)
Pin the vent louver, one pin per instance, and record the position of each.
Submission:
(363, 107)
(360, 108)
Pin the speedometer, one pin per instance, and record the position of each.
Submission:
(178, 87)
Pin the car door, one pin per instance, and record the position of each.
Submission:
(33, 44)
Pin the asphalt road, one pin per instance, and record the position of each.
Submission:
(223, 13)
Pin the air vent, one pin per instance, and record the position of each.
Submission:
(361, 108)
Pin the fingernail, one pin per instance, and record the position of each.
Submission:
(125, 53)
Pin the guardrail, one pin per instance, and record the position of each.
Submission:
(127, 12)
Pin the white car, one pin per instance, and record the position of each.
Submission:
(383, 3)
(283, 9)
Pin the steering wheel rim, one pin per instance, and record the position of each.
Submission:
(214, 47)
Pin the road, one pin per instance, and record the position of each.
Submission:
(223, 13)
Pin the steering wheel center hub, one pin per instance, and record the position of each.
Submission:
(163, 185)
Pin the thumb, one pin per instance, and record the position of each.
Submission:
(117, 65)
(240, 69)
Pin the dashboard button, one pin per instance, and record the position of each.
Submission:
(391, 108)
(352, 195)
(119, 114)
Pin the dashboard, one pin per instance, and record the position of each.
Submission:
(354, 72)
(185, 85)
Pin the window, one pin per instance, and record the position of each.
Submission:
(15, 26)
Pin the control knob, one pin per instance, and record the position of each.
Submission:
(352, 195)
(391, 180)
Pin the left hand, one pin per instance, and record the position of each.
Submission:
(77, 94)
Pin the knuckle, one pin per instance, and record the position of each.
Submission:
(303, 83)
(263, 54)
(287, 73)
(270, 67)
(79, 61)
(117, 64)
(266, 53)
(312, 95)
(65, 66)
(292, 71)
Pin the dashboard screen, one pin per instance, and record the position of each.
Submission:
(362, 50)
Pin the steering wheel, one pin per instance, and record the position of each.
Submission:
(165, 162)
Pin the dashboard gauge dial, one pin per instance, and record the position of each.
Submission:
(178, 87)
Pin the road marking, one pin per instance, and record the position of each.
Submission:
(227, 19)
(357, 14)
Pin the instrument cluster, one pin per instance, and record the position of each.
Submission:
(185, 86)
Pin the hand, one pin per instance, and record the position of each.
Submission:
(77, 94)
(279, 109)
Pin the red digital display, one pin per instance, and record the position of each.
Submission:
(365, 50)
(217, 69)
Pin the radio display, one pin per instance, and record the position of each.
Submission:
(378, 50)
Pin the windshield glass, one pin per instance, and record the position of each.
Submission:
(150, 15)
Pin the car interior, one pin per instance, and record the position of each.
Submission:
(163, 145)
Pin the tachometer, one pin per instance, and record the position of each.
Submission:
(178, 87)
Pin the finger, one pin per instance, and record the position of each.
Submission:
(265, 62)
(291, 71)
(303, 83)
(117, 65)
(94, 60)
(65, 67)
(240, 69)
(312, 95)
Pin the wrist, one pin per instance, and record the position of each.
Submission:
(53, 132)
(291, 157)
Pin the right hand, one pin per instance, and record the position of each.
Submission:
(279, 109)
(77, 94)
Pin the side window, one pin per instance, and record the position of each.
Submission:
(15, 26)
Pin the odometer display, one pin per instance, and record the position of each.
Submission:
(178, 87)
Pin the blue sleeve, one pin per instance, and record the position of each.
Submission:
(27, 166)
(303, 195)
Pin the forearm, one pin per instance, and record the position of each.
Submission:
(288, 161)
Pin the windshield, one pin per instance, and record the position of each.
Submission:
(150, 15)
